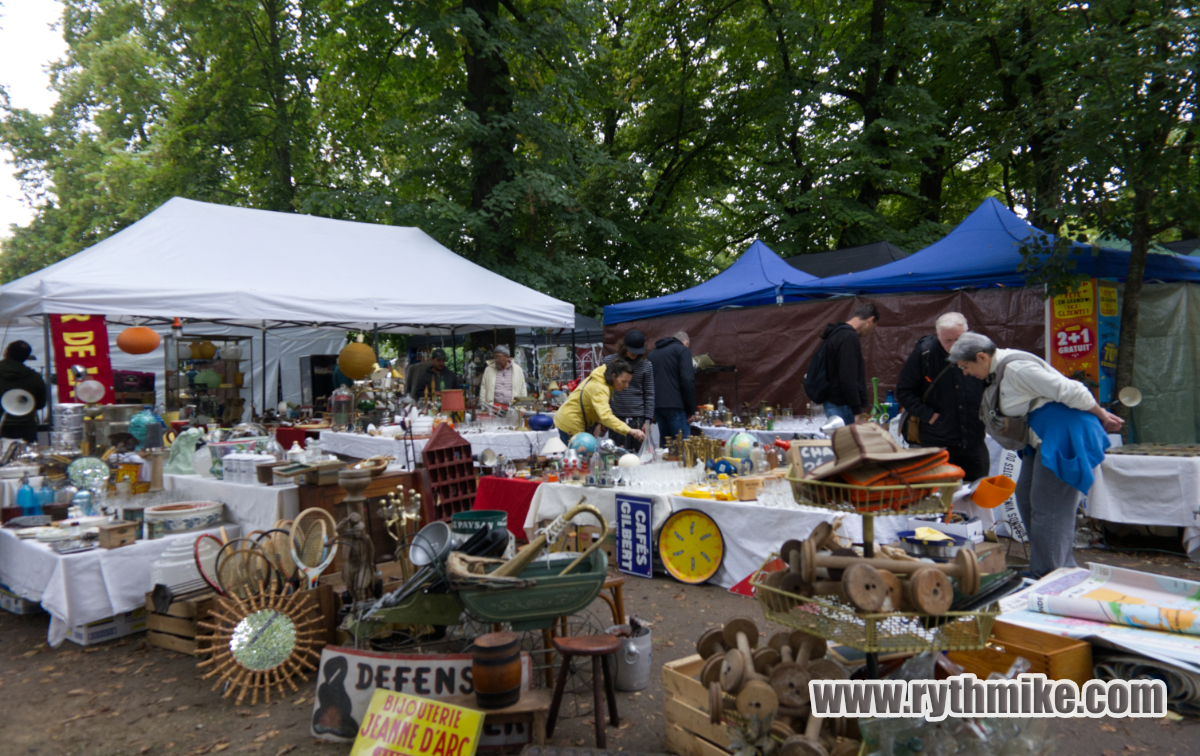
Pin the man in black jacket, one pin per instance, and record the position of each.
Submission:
(634, 405)
(845, 367)
(14, 375)
(674, 385)
(945, 400)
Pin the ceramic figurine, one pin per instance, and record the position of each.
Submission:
(182, 450)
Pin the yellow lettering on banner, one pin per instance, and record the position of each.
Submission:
(397, 724)
(81, 318)
(79, 338)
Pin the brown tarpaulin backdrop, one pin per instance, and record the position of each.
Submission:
(771, 346)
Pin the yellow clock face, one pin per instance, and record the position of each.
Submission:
(691, 546)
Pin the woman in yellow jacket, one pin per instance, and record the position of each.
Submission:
(588, 405)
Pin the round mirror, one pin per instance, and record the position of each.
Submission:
(263, 640)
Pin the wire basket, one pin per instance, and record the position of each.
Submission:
(918, 498)
(833, 619)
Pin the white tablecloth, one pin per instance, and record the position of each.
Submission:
(1147, 490)
(805, 428)
(80, 588)
(512, 444)
(554, 499)
(252, 507)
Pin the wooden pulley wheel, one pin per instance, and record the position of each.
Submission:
(790, 683)
(806, 646)
(781, 729)
(733, 671)
(711, 642)
(864, 587)
(712, 670)
(765, 659)
(827, 669)
(741, 633)
(789, 552)
(929, 591)
(894, 601)
(757, 698)
(779, 581)
(837, 574)
(779, 642)
(968, 577)
(808, 561)
(845, 747)
(716, 703)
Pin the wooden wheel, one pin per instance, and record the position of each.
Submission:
(820, 534)
(765, 659)
(808, 562)
(802, 745)
(712, 670)
(716, 703)
(834, 573)
(790, 683)
(864, 587)
(806, 646)
(711, 642)
(757, 698)
(786, 553)
(827, 669)
(968, 578)
(733, 671)
(895, 592)
(930, 591)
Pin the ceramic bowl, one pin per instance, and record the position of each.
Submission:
(184, 516)
(231, 353)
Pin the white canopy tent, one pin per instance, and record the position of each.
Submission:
(269, 270)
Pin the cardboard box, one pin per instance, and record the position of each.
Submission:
(109, 629)
(746, 487)
(971, 529)
(11, 602)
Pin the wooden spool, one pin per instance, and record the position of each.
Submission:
(894, 601)
(965, 567)
(929, 591)
(496, 670)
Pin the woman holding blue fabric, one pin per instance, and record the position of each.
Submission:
(1067, 437)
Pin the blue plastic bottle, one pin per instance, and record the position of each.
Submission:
(893, 405)
(27, 498)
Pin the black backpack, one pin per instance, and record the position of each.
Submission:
(816, 380)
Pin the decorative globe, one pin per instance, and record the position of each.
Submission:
(138, 340)
(739, 446)
(630, 460)
(584, 444)
(356, 360)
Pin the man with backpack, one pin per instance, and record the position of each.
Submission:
(837, 375)
(941, 403)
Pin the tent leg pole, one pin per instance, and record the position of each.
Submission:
(263, 363)
(51, 392)
(574, 357)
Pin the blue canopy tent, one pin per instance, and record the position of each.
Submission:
(985, 250)
(758, 277)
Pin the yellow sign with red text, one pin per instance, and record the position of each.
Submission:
(1084, 332)
(397, 723)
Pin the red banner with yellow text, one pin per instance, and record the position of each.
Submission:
(81, 340)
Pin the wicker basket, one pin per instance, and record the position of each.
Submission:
(921, 498)
(835, 620)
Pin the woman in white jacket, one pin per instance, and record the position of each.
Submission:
(503, 372)
(1066, 440)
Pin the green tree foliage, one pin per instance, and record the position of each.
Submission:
(606, 151)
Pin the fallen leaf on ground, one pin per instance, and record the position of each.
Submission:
(170, 680)
(79, 692)
(285, 749)
(299, 701)
(182, 708)
(264, 715)
(1108, 728)
(220, 747)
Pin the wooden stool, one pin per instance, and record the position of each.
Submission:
(598, 647)
(614, 584)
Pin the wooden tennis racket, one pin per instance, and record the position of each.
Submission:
(274, 545)
(205, 552)
(311, 545)
(245, 573)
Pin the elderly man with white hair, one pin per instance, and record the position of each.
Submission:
(943, 403)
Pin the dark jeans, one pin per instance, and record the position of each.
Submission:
(839, 410)
(671, 422)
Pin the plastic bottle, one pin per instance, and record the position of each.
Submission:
(27, 498)
(893, 405)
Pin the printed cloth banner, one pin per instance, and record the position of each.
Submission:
(81, 340)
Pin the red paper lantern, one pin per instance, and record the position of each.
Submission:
(138, 340)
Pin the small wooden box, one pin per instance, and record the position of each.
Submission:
(688, 729)
(176, 630)
(114, 535)
(1055, 656)
(746, 487)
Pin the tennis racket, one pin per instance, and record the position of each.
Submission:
(311, 544)
(245, 572)
(274, 546)
(205, 552)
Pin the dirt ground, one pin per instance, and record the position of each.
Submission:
(123, 698)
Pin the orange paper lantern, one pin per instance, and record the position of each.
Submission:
(138, 340)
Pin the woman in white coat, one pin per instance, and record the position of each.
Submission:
(1065, 441)
(502, 380)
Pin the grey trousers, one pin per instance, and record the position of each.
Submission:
(1047, 507)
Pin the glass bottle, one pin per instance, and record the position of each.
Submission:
(27, 498)
(341, 404)
(45, 495)
(720, 405)
(759, 457)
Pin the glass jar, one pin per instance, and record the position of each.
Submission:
(341, 404)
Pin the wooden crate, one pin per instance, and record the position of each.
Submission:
(176, 630)
(1056, 657)
(688, 731)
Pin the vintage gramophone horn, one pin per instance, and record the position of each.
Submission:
(433, 543)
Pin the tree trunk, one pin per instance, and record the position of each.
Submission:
(490, 98)
(1139, 240)
(281, 138)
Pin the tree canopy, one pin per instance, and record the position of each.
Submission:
(608, 151)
